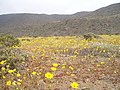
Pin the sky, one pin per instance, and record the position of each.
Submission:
(52, 6)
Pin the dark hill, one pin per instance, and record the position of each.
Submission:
(105, 20)
(107, 11)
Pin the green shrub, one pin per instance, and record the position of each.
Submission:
(13, 57)
(8, 40)
(106, 50)
(90, 36)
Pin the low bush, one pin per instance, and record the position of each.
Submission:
(90, 36)
(11, 58)
(106, 50)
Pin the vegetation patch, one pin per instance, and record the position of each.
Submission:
(62, 63)
(11, 57)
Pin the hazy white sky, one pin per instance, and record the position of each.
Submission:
(52, 6)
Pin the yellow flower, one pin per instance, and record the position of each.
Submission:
(64, 63)
(2, 62)
(18, 75)
(3, 76)
(67, 73)
(43, 55)
(102, 63)
(8, 83)
(23, 62)
(55, 64)
(18, 83)
(14, 70)
(104, 50)
(115, 72)
(63, 67)
(8, 66)
(11, 71)
(28, 69)
(49, 75)
(53, 69)
(14, 83)
(88, 69)
(74, 85)
(98, 65)
(70, 67)
(34, 73)
(40, 73)
(24, 77)
(72, 75)
(3, 69)
(17, 88)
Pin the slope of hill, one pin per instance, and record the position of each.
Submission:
(105, 20)
(104, 25)
(28, 19)
(106, 11)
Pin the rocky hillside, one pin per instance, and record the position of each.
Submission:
(105, 20)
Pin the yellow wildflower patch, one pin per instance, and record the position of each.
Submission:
(34, 73)
(49, 75)
(55, 65)
(11, 71)
(102, 63)
(14, 83)
(8, 83)
(63, 67)
(3, 69)
(53, 69)
(18, 83)
(74, 85)
(2, 62)
(70, 67)
(18, 75)
(3, 77)
(72, 75)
